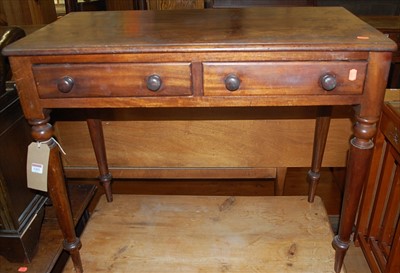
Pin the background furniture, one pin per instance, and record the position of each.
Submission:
(378, 225)
(171, 4)
(92, 5)
(252, 3)
(28, 12)
(22, 209)
(28, 226)
(365, 7)
(50, 256)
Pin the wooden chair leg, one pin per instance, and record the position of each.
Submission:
(280, 180)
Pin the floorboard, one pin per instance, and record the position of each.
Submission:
(170, 233)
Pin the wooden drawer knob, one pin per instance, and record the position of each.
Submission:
(328, 82)
(154, 82)
(65, 84)
(232, 82)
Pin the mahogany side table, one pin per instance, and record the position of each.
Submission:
(281, 56)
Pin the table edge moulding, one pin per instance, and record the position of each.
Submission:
(256, 57)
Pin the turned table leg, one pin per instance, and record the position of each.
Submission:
(320, 137)
(357, 165)
(97, 137)
(360, 153)
(42, 131)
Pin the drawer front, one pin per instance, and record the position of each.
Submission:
(112, 80)
(281, 78)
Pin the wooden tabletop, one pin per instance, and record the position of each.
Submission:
(277, 28)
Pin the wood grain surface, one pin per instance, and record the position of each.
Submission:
(139, 233)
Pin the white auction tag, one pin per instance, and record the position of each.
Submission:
(37, 165)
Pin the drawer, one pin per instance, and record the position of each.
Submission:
(112, 80)
(279, 78)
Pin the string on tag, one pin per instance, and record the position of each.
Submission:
(50, 140)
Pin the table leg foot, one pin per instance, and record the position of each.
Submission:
(313, 179)
(106, 180)
(73, 249)
(340, 252)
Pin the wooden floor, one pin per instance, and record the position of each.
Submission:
(328, 190)
(170, 233)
